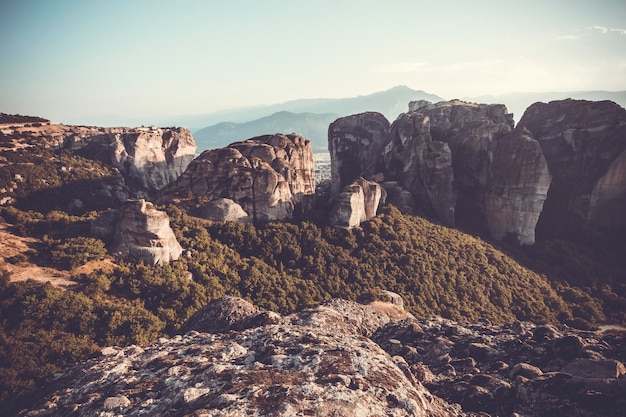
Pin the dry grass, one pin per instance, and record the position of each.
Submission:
(391, 310)
(11, 245)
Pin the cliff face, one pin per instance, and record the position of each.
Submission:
(472, 132)
(356, 145)
(269, 177)
(561, 173)
(584, 144)
(519, 180)
(422, 166)
(149, 158)
(138, 232)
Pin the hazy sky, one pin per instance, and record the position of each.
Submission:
(109, 61)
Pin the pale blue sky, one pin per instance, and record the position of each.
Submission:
(106, 62)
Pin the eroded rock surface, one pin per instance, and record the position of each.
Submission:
(356, 145)
(269, 177)
(149, 158)
(422, 166)
(519, 180)
(531, 370)
(139, 232)
(584, 143)
(472, 132)
(357, 202)
(311, 367)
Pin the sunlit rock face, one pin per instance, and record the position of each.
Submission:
(519, 180)
(356, 145)
(357, 202)
(143, 233)
(584, 144)
(318, 362)
(148, 158)
(421, 166)
(269, 177)
(471, 132)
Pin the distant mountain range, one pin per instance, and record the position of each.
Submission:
(307, 117)
(311, 117)
(312, 126)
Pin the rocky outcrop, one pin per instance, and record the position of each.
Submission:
(356, 145)
(519, 180)
(149, 158)
(515, 369)
(138, 232)
(584, 144)
(348, 359)
(422, 166)
(308, 367)
(358, 202)
(472, 132)
(269, 177)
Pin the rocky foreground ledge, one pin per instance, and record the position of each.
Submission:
(344, 359)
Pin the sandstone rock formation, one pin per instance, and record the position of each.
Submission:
(149, 158)
(274, 370)
(358, 202)
(422, 166)
(138, 232)
(356, 145)
(270, 177)
(584, 144)
(472, 132)
(518, 186)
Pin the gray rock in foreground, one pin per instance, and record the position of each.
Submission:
(305, 366)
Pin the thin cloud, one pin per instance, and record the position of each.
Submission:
(604, 31)
(601, 30)
(400, 67)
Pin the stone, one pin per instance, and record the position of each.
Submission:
(545, 332)
(117, 402)
(584, 144)
(270, 177)
(525, 370)
(220, 315)
(356, 146)
(518, 185)
(595, 368)
(422, 166)
(357, 203)
(224, 210)
(568, 347)
(482, 352)
(143, 233)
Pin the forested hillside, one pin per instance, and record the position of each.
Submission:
(282, 267)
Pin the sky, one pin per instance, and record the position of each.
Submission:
(108, 62)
